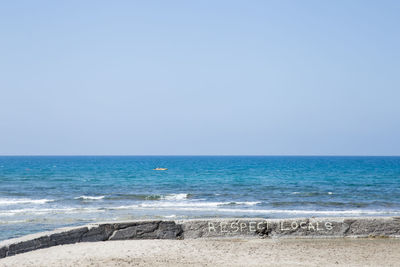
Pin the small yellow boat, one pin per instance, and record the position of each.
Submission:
(160, 169)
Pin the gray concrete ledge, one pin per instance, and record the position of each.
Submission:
(385, 227)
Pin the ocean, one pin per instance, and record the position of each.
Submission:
(39, 193)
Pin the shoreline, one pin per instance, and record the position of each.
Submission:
(224, 228)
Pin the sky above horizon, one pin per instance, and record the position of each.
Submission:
(200, 78)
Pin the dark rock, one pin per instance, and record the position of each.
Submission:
(168, 230)
(98, 233)
(68, 237)
(137, 231)
(3, 252)
(149, 230)
(25, 246)
(123, 225)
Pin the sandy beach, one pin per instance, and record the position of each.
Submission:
(203, 252)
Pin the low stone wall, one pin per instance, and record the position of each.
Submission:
(208, 228)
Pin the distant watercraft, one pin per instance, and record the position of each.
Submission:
(160, 169)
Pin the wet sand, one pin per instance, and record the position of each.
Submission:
(211, 252)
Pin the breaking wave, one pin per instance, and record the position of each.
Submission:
(9, 201)
(175, 197)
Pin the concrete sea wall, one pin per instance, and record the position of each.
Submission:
(208, 228)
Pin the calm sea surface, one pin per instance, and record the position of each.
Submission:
(43, 193)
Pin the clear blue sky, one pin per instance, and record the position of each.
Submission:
(200, 77)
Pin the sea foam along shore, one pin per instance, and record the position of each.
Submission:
(208, 228)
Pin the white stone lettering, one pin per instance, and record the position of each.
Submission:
(211, 227)
(223, 227)
(235, 227)
(242, 226)
(252, 226)
(328, 226)
(282, 227)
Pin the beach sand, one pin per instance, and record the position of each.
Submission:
(201, 252)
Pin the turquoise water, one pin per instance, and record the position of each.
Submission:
(43, 193)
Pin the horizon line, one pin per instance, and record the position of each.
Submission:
(193, 155)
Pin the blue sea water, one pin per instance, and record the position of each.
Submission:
(43, 193)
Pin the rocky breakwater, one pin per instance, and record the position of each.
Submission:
(208, 228)
(92, 233)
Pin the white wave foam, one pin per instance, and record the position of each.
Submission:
(266, 212)
(192, 206)
(166, 204)
(176, 197)
(49, 211)
(13, 222)
(248, 203)
(90, 197)
(11, 201)
(169, 205)
(217, 207)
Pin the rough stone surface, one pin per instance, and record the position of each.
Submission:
(68, 237)
(373, 227)
(3, 252)
(169, 230)
(98, 233)
(212, 228)
(281, 228)
(149, 230)
(57, 238)
(221, 228)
